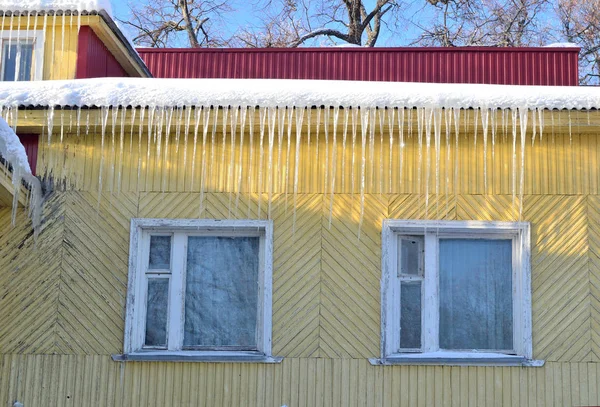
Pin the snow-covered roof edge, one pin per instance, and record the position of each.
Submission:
(56, 5)
(14, 153)
(290, 93)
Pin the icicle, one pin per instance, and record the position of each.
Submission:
(299, 119)
(437, 132)
(151, 115)
(272, 120)
(205, 123)
(178, 130)
(476, 127)
(428, 119)
(372, 112)
(78, 22)
(309, 168)
(354, 124)
(484, 122)
(514, 154)
(240, 157)
(50, 121)
(494, 125)
(344, 137)
(53, 41)
(391, 113)
(401, 146)
(10, 29)
(28, 24)
(448, 127)
(222, 166)
(420, 141)
(281, 114)
(121, 143)
(523, 122)
(570, 129)
(104, 119)
(364, 123)
(197, 113)
(533, 126)
(166, 159)
(456, 113)
(186, 133)
(262, 113)
(290, 112)
(44, 28)
(62, 49)
(213, 143)
(230, 175)
(251, 159)
(326, 179)
(132, 118)
(541, 122)
(114, 116)
(336, 111)
(140, 132)
(381, 123)
(317, 164)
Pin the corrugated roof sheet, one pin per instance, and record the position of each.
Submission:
(508, 66)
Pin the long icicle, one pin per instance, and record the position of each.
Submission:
(223, 165)
(299, 119)
(240, 171)
(326, 175)
(372, 113)
(104, 118)
(352, 175)
(250, 158)
(230, 184)
(205, 126)
(485, 116)
(401, 147)
(286, 175)
(391, 114)
(437, 133)
(281, 115)
(336, 112)
(428, 122)
(381, 123)
(262, 112)
(197, 115)
(186, 133)
(515, 113)
(140, 132)
(121, 146)
(365, 113)
(344, 138)
(523, 122)
(272, 124)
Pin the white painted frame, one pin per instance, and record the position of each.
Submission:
(35, 36)
(135, 317)
(519, 232)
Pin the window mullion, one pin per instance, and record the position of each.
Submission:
(177, 291)
(430, 336)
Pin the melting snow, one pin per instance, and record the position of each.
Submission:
(14, 153)
(272, 93)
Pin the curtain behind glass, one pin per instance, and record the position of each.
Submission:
(221, 292)
(476, 294)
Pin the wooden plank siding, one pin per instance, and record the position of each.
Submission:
(62, 303)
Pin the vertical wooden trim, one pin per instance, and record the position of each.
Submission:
(430, 312)
(176, 291)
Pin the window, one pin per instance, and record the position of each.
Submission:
(456, 291)
(199, 288)
(22, 55)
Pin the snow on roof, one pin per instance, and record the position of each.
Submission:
(14, 153)
(300, 93)
(562, 45)
(56, 5)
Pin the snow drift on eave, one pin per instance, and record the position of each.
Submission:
(55, 5)
(14, 153)
(290, 93)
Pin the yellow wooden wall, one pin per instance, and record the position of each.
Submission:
(62, 303)
(60, 57)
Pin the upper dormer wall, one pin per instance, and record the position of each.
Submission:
(66, 47)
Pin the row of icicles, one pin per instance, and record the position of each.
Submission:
(280, 128)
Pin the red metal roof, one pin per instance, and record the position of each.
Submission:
(510, 66)
(94, 60)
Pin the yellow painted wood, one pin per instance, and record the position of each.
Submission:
(67, 297)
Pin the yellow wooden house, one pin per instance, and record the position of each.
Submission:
(270, 243)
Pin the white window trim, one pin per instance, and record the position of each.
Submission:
(37, 36)
(136, 304)
(390, 290)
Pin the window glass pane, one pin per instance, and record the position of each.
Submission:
(410, 255)
(221, 291)
(410, 315)
(476, 294)
(12, 56)
(160, 253)
(156, 314)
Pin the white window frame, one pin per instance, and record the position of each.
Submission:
(179, 229)
(37, 37)
(432, 231)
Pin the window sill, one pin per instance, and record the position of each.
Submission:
(457, 359)
(212, 357)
